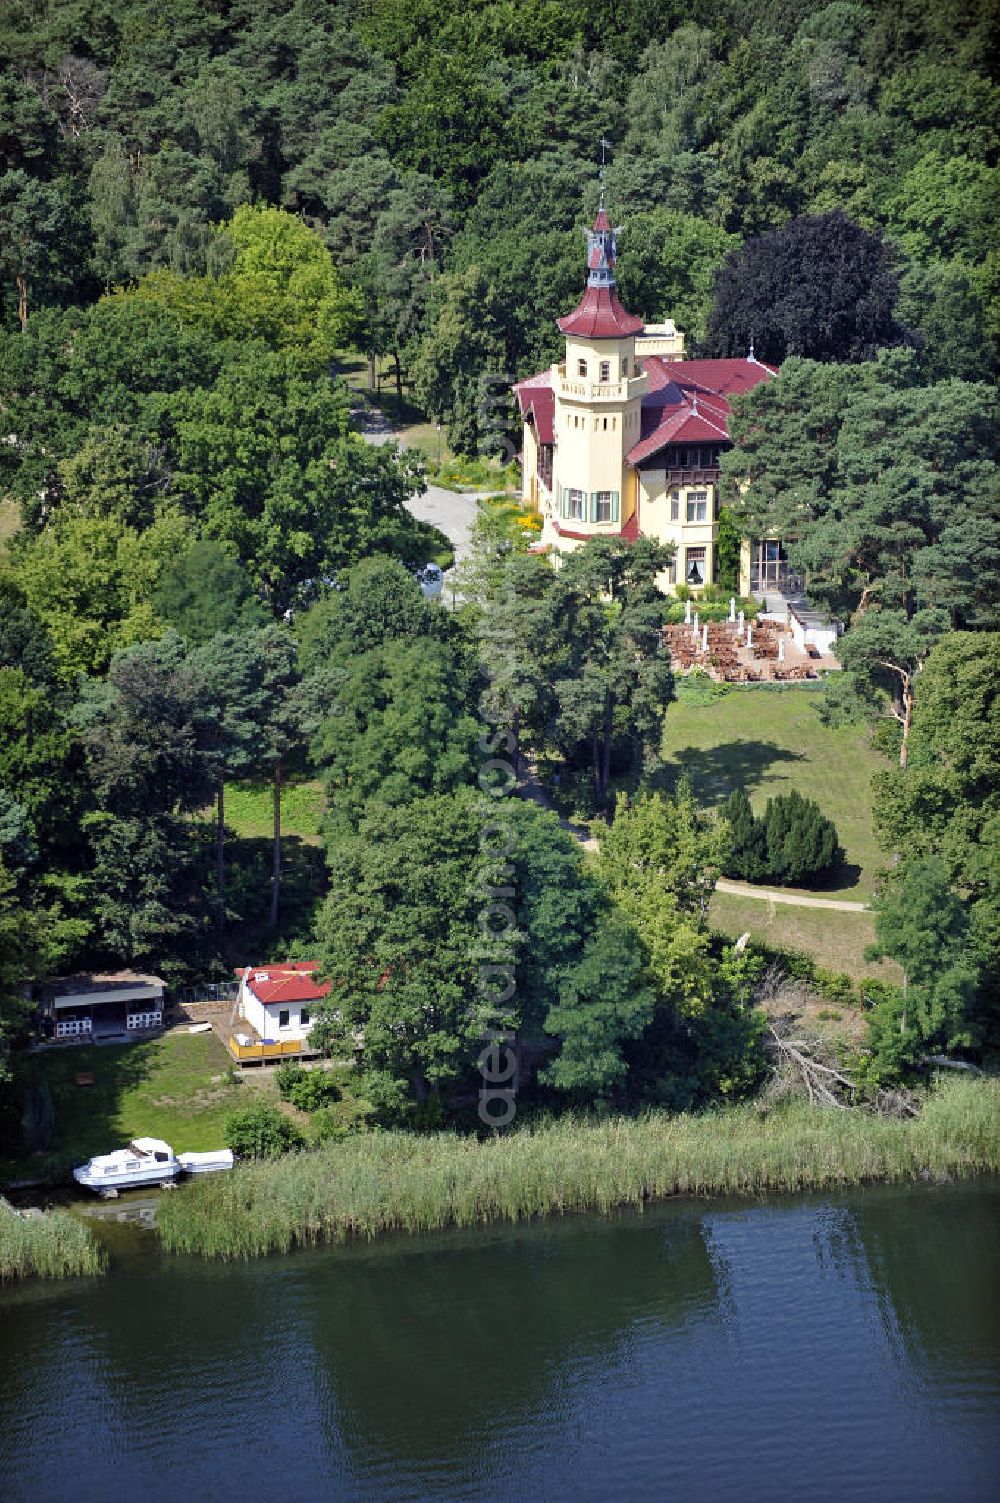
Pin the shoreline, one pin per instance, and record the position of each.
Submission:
(373, 1186)
(395, 1183)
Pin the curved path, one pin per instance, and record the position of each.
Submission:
(797, 899)
(530, 787)
(452, 512)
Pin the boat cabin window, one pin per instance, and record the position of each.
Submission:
(161, 1158)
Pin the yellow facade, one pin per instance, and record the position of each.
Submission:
(598, 391)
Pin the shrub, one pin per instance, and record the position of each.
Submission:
(261, 1131)
(387, 1097)
(699, 689)
(327, 1127)
(792, 843)
(285, 1077)
(309, 1090)
(748, 852)
(801, 841)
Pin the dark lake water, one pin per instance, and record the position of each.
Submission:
(824, 1348)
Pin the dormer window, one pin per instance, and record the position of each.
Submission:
(605, 370)
(581, 368)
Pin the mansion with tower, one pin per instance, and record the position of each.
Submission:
(624, 436)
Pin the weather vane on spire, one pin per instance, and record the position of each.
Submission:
(605, 148)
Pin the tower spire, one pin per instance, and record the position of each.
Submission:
(605, 147)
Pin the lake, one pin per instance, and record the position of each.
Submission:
(820, 1347)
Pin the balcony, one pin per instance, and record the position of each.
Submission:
(676, 477)
(581, 388)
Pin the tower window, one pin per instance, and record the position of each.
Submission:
(605, 370)
(581, 368)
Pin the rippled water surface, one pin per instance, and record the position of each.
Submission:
(843, 1348)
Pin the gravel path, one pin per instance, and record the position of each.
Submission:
(796, 899)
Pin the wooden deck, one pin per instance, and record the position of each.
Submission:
(262, 1053)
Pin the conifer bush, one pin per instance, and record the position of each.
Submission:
(792, 844)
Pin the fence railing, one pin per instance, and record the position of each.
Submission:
(280, 1049)
(207, 991)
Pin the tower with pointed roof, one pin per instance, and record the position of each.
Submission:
(598, 389)
(624, 436)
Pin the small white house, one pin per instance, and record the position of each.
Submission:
(278, 1000)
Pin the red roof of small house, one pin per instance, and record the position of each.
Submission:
(600, 315)
(542, 406)
(287, 981)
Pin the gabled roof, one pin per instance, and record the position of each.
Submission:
(288, 981)
(536, 400)
(687, 401)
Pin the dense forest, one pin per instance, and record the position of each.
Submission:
(201, 206)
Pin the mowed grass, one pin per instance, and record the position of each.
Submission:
(367, 1186)
(10, 522)
(769, 742)
(250, 810)
(835, 940)
(173, 1087)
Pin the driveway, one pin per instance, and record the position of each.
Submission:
(453, 512)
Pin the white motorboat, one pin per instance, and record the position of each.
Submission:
(206, 1163)
(146, 1161)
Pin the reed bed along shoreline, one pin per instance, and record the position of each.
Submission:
(368, 1186)
(53, 1245)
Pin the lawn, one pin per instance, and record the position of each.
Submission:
(250, 810)
(173, 1087)
(835, 940)
(10, 522)
(771, 741)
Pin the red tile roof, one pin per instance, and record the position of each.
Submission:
(542, 405)
(288, 981)
(600, 315)
(686, 401)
